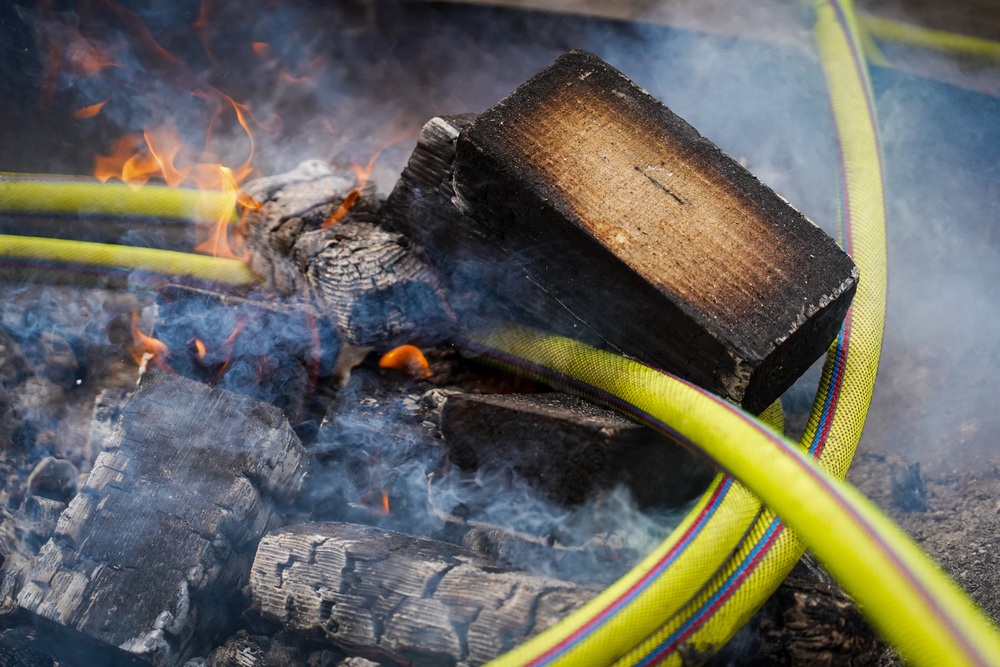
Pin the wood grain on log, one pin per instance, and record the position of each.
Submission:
(362, 277)
(406, 598)
(665, 245)
(569, 448)
(148, 556)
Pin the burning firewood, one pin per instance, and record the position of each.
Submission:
(645, 233)
(407, 598)
(148, 556)
(361, 276)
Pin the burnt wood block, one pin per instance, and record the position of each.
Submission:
(407, 599)
(148, 557)
(650, 234)
(569, 448)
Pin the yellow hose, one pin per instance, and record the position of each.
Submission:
(929, 38)
(70, 195)
(106, 256)
(910, 601)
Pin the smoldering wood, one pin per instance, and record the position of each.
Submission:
(570, 449)
(666, 246)
(376, 290)
(273, 350)
(291, 203)
(146, 559)
(362, 276)
(402, 597)
(481, 285)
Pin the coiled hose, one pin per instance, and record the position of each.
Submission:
(732, 550)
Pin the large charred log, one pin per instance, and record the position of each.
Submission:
(406, 598)
(146, 560)
(653, 237)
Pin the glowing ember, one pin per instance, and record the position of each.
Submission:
(199, 349)
(385, 502)
(146, 350)
(407, 359)
(90, 110)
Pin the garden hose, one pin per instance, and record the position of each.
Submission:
(928, 38)
(731, 551)
(39, 194)
(29, 251)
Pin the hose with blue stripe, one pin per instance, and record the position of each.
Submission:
(774, 498)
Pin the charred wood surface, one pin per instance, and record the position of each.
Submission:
(405, 598)
(148, 556)
(316, 236)
(570, 448)
(648, 232)
(482, 285)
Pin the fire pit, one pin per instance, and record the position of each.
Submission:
(372, 444)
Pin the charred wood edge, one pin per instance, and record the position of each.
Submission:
(549, 542)
(482, 282)
(126, 571)
(568, 448)
(406, 598)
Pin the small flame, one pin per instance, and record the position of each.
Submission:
(362, 174)
(146, 350)
(228, 345)
(199, 349)
(385, 502)
(218, 243)
(90, 110)
(407, 359)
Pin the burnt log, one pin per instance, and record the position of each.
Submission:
(316, 236)
(664, 245)
(405, 598)
(481, 285)
(568, 448)
(147, 558)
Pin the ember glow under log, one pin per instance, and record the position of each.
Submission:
(649, 234)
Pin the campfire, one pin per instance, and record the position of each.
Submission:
(261, 408)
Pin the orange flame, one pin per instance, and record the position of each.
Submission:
(90, 110)
(228, 345)
(146, 350)
(199, 349)
(407, 359)
(362, 174)
(385, 502)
